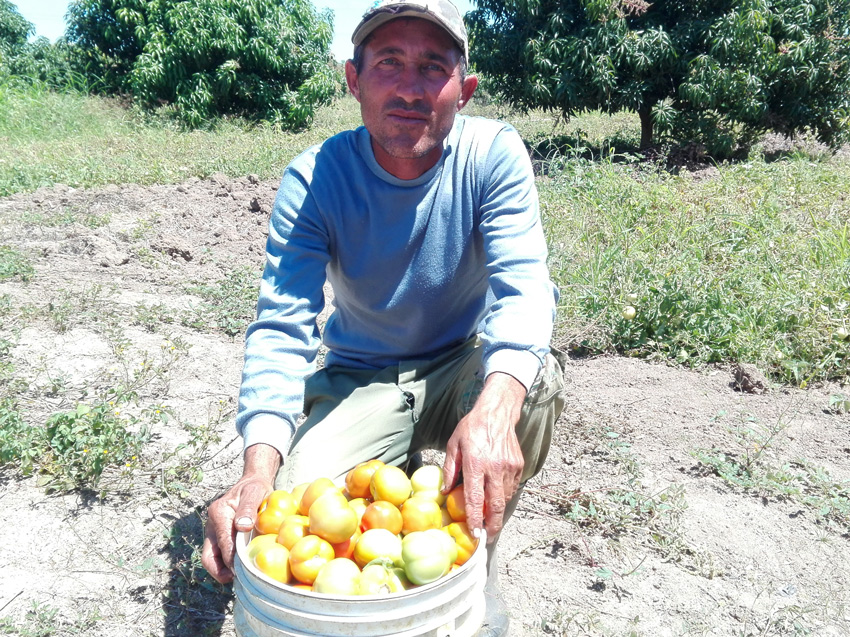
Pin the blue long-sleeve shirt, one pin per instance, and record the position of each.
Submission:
(417, 267)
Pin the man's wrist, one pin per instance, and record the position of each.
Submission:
(261, 461)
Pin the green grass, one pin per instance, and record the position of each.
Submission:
(751, 263)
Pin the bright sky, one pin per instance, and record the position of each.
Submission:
(48, 16)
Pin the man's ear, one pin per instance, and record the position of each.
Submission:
(466, 91)
(352, 80)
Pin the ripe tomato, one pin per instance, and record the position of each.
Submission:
(420, 514)
(456, 505)
(294, 527)
(382, 515)
(259, 542)
(427, 481)
(358, 479)
(315, 489)
(464, 541)
(346, 548)
(376, 543)
(340, 576)
(391, 484)
(283, 500)
(273, 560)
(331, 518)
(298, 491)
(308, 555)
(269, 520)
(359, 505)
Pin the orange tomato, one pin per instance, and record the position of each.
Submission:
(259, 542)
(315, 489)
(346, 549)
(391, 484)
(464, 540)
(359, 505)
(376, 543)
(357, 480)
(382, 515)
(269, 520)
(331, 518)
(273, 560)
(308, 555)
(420, 514)
(294, 527)
(298, 491)
(456, 505)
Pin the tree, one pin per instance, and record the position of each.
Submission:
(15, 30)
(716, 72)
(265, 59)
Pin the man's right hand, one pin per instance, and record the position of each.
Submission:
(236, 510)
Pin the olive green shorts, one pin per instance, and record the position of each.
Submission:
(354, 415)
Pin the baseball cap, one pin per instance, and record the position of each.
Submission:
(440, 12)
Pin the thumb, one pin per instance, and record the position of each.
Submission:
(451, 467)
(247, 509)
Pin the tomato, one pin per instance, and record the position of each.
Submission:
(308, 555)
(284, 500)
(273, 560)
(340, 576)
(391, 484)
(301, 587)
(259, 542)
(427, 555)
(456, 505)
(269, 520)
(359, 505)
(629, 312)
(427, 481)
(446, 518)
(420, 514)
(331, 518)
(464, 541)
(346, 548)
(382, 579)
(357, 480)
(293, 529)
(375, 543)
(382, 515)
(298, 491)
(315, 489)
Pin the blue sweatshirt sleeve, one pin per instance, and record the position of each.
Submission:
(281, 345)
(518, 325)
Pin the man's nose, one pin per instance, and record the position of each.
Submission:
(409, 86)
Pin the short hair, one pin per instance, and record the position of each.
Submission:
(357, 58)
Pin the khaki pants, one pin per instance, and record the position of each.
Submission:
(355, 415)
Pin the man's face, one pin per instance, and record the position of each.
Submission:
(409, 89)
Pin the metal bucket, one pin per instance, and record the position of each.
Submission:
(451, 606)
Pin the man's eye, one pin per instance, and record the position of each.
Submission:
(389, 62)
(434, 68)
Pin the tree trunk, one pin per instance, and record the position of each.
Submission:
(645, 113)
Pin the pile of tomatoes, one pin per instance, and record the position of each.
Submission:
(383, 533)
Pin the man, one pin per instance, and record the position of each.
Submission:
(427, 226)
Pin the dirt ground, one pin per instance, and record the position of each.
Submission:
(629, 530)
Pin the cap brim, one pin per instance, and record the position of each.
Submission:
(366, 26)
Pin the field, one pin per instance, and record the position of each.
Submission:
(678, 499)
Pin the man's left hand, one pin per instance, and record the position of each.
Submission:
(484, 447)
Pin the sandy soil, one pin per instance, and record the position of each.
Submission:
(626, 531)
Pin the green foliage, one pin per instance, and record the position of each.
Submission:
(14, 28)
(750, 266)
(14, 265)
(258, 58)
(229, 305)
(713, 73)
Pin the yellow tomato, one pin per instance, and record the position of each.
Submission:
(308, 555)
(269, 520)
(376, 543)
(358, 479)
(273, 560)
(298, 491)
(316, 488)
(391, 484)
(259, 542)
(427, 481)
(294, 527)
(340, 576)
(359, 505)
(331, 518)
(464, 540)
(283, 500)
(420, 514)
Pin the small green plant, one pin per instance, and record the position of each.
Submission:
(42, 620)
(229, 304)
(839, 404)
(152, 316)
(13, 265)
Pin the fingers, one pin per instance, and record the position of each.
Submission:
(212, 560)
(248, 504)
(451, 466)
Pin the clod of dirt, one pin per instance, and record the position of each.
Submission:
(749, 379)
